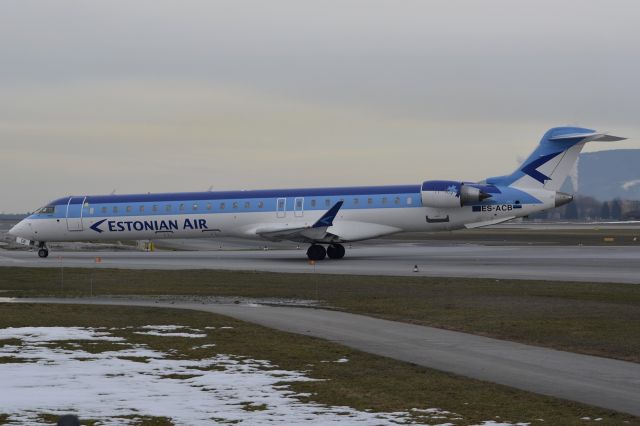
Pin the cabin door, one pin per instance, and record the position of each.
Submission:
(298, 207)
(74, 213)
(281, 207)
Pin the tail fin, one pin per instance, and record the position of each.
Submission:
(550, 164)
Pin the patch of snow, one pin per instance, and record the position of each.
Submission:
(339, 361)
(163, 327)
(492, 423)
(52, 334)
(226, 328)
(210, 345)
(157, 333)
(108, 385)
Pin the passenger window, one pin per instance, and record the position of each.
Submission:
(128, 209)
(167, 208)
(91, 210)
(141, 208)
(115, 209)
(103, 209)
(247, 205)
(154, 208)
(181, 207)
(195, 207)
(327, 202)
(313, 203)
(356, 201)
(298, 203)
(222, 206)
(384, 201)
(409, 201)
(208, 206)
(369, 200)
(260, 204)
(396, 201)
(235, 204)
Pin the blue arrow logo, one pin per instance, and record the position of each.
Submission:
(532, 168)
(95, 226)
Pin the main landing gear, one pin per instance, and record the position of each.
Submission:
(318, 252)
(43, 251)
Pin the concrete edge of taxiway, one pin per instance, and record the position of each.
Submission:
(601, 382)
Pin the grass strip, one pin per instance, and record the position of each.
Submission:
(591, 318)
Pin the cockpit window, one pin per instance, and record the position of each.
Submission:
(46, 210)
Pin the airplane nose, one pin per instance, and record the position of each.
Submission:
(18, 230)
(13, 230)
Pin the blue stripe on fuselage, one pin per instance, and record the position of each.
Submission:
(395, 196)
(232, 195)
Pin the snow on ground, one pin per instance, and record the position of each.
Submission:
(169, 331)
(139, 381)
(50, 334)
(339, 361)
(164, 327)
(158, 333)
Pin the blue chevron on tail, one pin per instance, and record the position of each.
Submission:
(554, 158)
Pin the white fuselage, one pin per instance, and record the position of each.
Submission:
(352, 223)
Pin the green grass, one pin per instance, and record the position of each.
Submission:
(592, 318)
(365, 382)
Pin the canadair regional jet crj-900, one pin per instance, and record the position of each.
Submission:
(317, 216)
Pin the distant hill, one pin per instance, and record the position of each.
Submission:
(606, 175)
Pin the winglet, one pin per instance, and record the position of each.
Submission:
(327, 219)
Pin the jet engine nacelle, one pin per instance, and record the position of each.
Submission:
(448, 194)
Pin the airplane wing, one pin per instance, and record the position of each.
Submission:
(305, 234)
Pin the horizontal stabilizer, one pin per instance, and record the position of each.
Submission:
(588, 137)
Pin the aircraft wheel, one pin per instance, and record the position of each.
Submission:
(316, 252)
(43, 252)
(335, 251)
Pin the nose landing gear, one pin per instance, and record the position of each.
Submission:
(43, 251)
(318, 252)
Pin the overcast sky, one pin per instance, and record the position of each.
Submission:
(157, 96)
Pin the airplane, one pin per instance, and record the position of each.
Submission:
(317, 216)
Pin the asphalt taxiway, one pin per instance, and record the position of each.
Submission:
(592, 380)
(561, 263)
